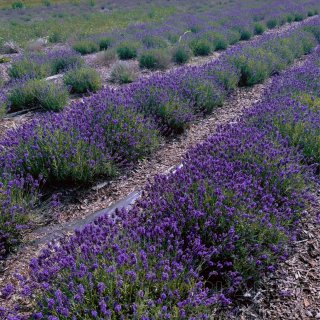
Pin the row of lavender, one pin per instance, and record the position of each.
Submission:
(98, 136)
(201, 31)
(228, 19)
(28, 89)
(201, 236)
(209, 27)
(26, 93)
(201, 36)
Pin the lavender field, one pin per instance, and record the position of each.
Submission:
(159, 159)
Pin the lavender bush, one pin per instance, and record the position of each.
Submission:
(160, 100)
(257, 64)
(201, 47)
(201, 89)
(155, 59)
(85, 46)
(181, 55)
(30, 65)
(127, 50)
(82, 80)
(39, 65)
(132, 281)
(105, 43)
(123, 72)
(63, 59)
(106, 57)
(259, 28)
(37, 93)
(81, 143)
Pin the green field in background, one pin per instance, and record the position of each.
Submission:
(75, 25)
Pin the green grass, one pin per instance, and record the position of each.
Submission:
(30, 3)
(80, 25)
(83, 80)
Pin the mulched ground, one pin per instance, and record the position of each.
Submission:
(293, 291)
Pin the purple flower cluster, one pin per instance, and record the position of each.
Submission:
(199, 236)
